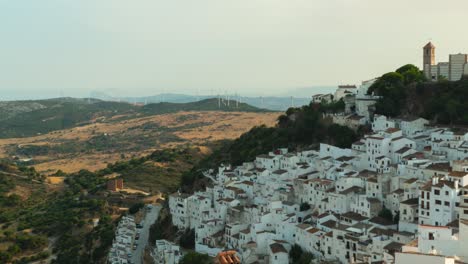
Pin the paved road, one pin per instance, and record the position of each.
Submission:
(150, 217)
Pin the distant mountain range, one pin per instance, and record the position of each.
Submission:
(276, 103)
(29, 118)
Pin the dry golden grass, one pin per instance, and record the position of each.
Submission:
(55, 180)
(207, 126)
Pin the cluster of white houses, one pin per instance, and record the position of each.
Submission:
(328, 200)
(121, 250)
(166, 252)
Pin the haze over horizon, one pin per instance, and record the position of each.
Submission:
(252, 47)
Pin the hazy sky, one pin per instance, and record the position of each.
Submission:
(145, 47)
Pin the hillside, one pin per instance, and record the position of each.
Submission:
(406, 93)
(40, 220)
(30, 118)
(275, 103)
(93, 146)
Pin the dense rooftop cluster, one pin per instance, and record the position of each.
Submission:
(398, 195)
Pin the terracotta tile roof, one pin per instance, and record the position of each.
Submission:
(442, 166)
(381, 231)
(313, 230)
(412, 180)
(367, 173)
(403, 150)
(354, 216)
(303, 226)
(441, 184)
(279, 172)
(227, 257)
(344, 158)
(394, 246)
(458, 174)
(329, 224)
(392, 130)
(277, 248)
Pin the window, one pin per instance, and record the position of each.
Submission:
(422, 195)
(431, 235)
(446, 193)
(447, 203)
(438, 202)
(436, 192)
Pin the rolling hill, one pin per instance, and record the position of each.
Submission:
(29, 118)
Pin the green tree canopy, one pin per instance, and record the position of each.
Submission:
(195, 258)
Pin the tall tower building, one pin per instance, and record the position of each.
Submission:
(429, 54)
(428, 59)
